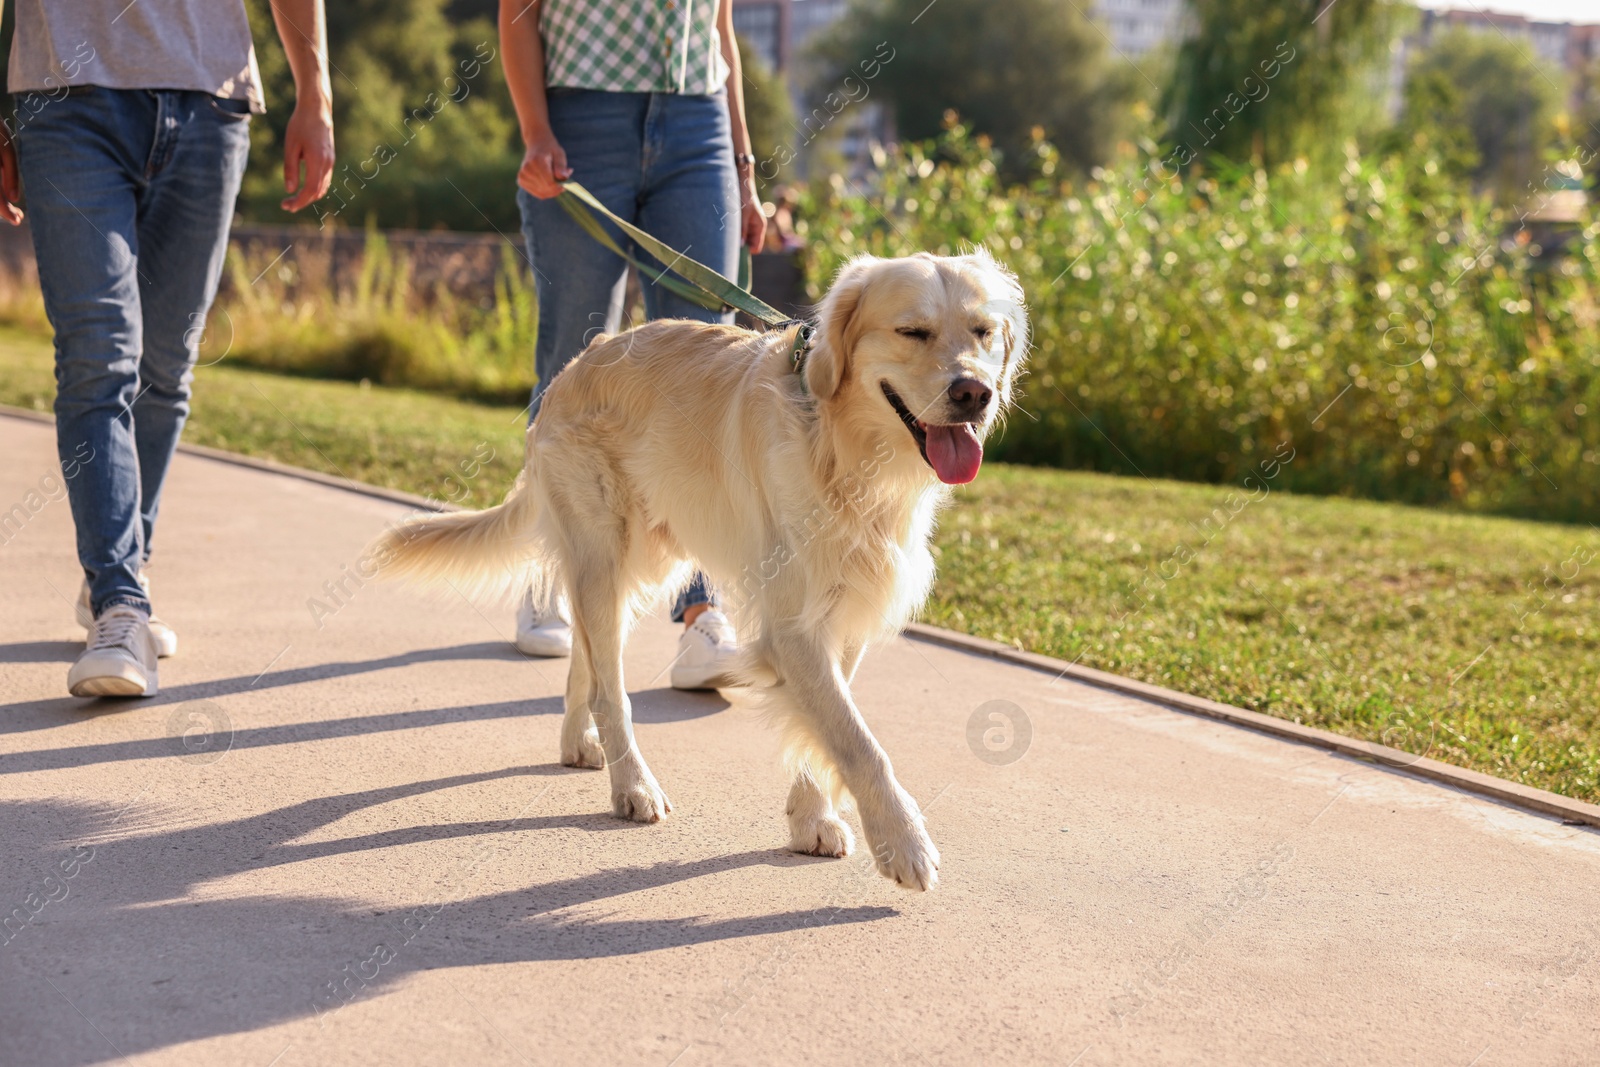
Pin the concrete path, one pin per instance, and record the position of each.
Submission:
(345, 841)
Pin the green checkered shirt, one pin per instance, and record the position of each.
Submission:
(633, 46)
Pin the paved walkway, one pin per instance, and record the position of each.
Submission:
(349, 843)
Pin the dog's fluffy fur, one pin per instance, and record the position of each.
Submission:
(810, 504)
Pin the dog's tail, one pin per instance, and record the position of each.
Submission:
(478, 553)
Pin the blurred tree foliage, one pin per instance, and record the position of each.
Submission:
(767, 109)
(423, 125)
(1433, 123)
(1273, 80)
(1503, 95)
(1005, 68)
(1586, 125)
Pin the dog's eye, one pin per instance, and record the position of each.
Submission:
(983, 333)
(916, 332)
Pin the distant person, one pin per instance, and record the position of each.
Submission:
(130, 138)
(780, 221)
(642, 102)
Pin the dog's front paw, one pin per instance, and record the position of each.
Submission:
(820, 835)
(641, 803)
(909, 858)
(585, 751)
(901, 846)
(635, 794)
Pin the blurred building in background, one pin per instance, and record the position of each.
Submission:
(1139, 26)
(1573, 46)
(782, 32)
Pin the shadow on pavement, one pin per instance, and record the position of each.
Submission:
(221, 687)
(41, 652)
(150, 959)
(51, 759)
(656, 706)
(661, 705)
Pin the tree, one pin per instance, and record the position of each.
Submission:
(1586, 126)
(1432, 123)
(1271, 79)
(1505, 96)
(1005, 68)
(423, 125)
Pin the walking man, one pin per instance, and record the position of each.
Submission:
(130, 138)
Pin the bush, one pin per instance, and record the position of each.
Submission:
(294, 321)
(1402, 336)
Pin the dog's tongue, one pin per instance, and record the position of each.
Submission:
(955, 453)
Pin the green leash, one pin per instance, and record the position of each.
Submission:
(692, 280)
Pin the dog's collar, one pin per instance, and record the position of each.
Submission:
(801, 347)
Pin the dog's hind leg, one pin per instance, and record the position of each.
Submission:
(814, 825)
(580, 741)
(600, 626)
(814, 693)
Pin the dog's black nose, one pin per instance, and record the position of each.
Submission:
(970, 396)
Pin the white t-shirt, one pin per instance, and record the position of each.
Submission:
(148, 44)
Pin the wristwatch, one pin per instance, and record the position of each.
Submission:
(744, 159)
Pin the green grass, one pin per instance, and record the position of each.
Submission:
(1424, 630)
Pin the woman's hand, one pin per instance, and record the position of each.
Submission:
(752, 220)
(544, 166)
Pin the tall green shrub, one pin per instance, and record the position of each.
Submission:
(1390, 327)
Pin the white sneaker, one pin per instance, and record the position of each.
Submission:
(166, 637)
(707, 653)
(543, 632)
(121, 658)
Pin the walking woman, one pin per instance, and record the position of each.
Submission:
(642, 102)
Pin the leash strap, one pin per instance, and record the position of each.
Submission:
(716, 292)
(688, 278)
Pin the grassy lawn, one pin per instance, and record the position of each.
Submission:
(1471, 639)
(1428, 631)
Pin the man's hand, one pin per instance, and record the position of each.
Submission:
(544, 166)
(10, 178)
(753, 221)
(307, 155)
(308, 142)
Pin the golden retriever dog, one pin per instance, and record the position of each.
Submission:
(807, 494)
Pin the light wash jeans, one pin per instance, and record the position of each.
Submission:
(664, 162)
(129, 195)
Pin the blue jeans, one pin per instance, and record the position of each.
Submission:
(664, 162)
(129, 193)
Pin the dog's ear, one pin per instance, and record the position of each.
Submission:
(836, 328)
(1007, 303)
(1013, 324)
